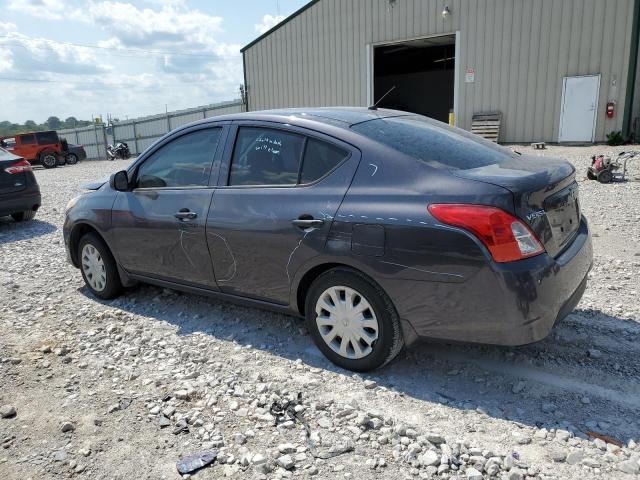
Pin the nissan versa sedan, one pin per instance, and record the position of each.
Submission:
(378, 226)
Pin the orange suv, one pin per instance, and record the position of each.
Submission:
(45, 148)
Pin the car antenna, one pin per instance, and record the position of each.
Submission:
(375, 105)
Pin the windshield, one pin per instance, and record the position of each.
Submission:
(433, 142)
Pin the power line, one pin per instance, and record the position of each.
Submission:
(100, 84)
(117, 49)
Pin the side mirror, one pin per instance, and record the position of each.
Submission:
(120, 181)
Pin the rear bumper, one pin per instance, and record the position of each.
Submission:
(28, 199)
(510, 303)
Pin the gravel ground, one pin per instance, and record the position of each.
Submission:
(124, 389)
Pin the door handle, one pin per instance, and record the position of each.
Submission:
(185, 214)
(305, 223)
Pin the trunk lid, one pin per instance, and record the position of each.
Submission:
(545, 195)
(10, 182)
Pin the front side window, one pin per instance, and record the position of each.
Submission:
(264, 156)
(27, 139)
(184, 162)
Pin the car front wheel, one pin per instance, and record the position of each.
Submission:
(72, 159)
(352, 320)
(98, 267)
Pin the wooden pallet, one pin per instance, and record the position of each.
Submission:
(487, 125)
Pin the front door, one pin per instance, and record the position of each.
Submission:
(579, 106)
(159, 226)
(279, 191)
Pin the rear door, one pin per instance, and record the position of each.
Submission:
(279, 190)
(158, 228)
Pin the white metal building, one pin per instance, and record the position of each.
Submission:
(551, 67)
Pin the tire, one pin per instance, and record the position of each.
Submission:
(62, 161)
(97, 259)
(591, 175)
(48, 160)
(72, 159)
(24, 216)
(378, 310)
(605, 176)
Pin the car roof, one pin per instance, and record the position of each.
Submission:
(27, 133)
(344, 117)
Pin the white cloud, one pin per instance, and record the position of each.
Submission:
(46, 9)
(171, 25)
(30, 56)
(139, 79)
(268, 22)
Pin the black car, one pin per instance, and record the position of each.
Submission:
(19, 190)
(75, 153)
(378, 226)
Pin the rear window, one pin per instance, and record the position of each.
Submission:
(4, 155)
(47, 137)
(434, 143)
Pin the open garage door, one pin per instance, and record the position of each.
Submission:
(423, 72)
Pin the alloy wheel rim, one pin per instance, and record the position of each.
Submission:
(347, 322)
(93, 267)
(49, 160)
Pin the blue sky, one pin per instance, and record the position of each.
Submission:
(181, 53)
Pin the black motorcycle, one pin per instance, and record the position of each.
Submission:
(121, 151)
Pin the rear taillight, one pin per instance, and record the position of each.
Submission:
(507, 238)
(21, 166)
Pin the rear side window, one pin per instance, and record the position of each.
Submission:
(183, 162)
(265, 156)
(27, 139)
(47, 137)
(434, 143)
(319, 159)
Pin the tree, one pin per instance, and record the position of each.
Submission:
(70, 122)
(54, 123)
(30, 124)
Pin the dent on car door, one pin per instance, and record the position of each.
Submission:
(158, 228)
(279, 190)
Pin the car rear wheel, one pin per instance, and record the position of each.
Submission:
(98, 267)
(352, 320)
(48, 160)
(24, 216)
(72, 159)
(62, 161)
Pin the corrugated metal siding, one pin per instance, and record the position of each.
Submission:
(92, 138)
(521, 50)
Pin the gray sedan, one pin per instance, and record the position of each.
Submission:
(378, 226)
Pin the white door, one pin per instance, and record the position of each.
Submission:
(579, 106)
